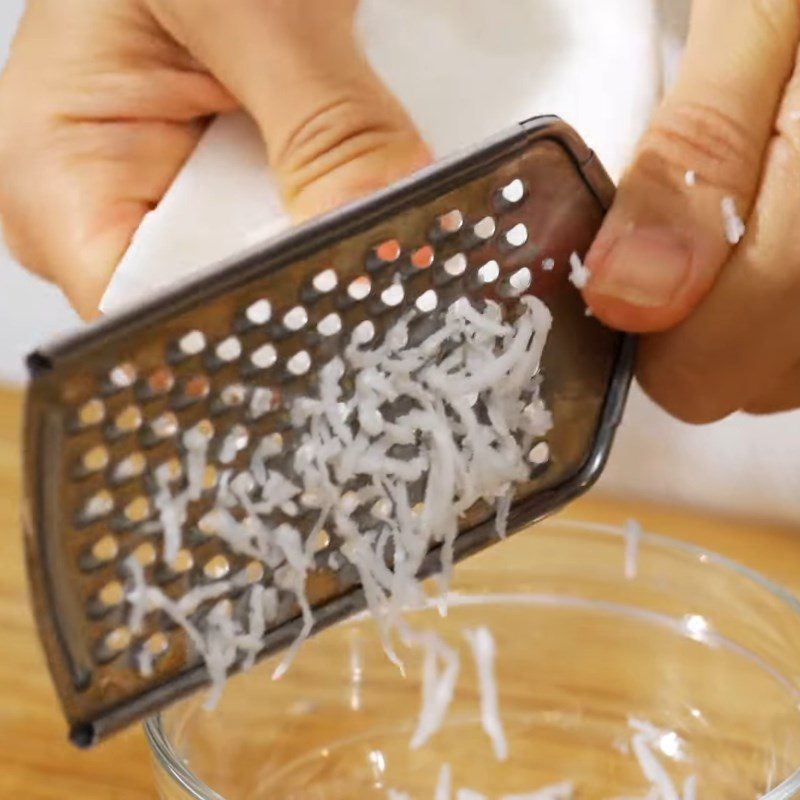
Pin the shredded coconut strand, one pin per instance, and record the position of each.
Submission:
(483, 650)
(438, 686)
(690, 177)
(735, 228)
(444, 783)
(402, 438)
(646, 739)
(633, 538)
(579, 273)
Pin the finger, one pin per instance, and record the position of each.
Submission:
(98, 111)
(665, 241)
(785, 396)
(745, 334)
(333, 131)
(73, 202)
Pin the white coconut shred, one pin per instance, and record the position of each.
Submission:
(401, 439)
(735, 228)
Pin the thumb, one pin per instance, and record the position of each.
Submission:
(664, 240)
(333, 131)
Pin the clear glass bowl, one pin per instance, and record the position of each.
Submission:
(695, 644)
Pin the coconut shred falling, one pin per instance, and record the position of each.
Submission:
(399, 441)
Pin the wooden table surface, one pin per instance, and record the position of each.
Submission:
(36, 763)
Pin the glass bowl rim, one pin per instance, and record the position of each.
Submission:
(197, 790)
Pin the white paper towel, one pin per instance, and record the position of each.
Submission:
(465, 69)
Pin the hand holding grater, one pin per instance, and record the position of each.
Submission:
(107, 407)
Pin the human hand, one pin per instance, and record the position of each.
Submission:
(102, 101)
(722, 323)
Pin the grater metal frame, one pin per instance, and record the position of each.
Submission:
(46, 429)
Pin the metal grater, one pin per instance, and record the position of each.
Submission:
(107, 406)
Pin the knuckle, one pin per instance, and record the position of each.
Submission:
(344, 131)
(699, 137)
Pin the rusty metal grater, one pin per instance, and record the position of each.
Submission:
(106, 406)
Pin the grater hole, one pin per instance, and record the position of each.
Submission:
(264, 357)
(130, 467)
(449, 223)
(95, 459)
(254, 572)
(539, 454)
(393, 295)
(489, 272)
(427, 301)
(128, 420)
(363, 333)
(196, 388)
(216, 568)
(359, 288)
(98, 505)
(170, 471)
(157, 644)
(259, 313)
(383, 254)
(485, 228)
(204, 428)
(122, 376)
(330, 325)
(154, 647)
(210, 477)
(233, 395)
(138, 509)
(115, 642)
(182, 562)
(295, 319)
(299, 363)
(381, 509)
(511, 194)
(456, 265)
(517, 283)
(145, 554)
(423, 257)
(91, 413)
(192, 343)
(261, 402)
(236, 440)
(111, 595)
(164, 426)
(161, 381)
(517, 236)
(229, 349)
(322, 541)
(105, 549)
(325, 281)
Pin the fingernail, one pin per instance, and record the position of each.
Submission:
(646, 267)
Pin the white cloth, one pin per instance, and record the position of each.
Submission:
(465, 69)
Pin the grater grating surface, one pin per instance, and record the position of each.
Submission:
(225, 355)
